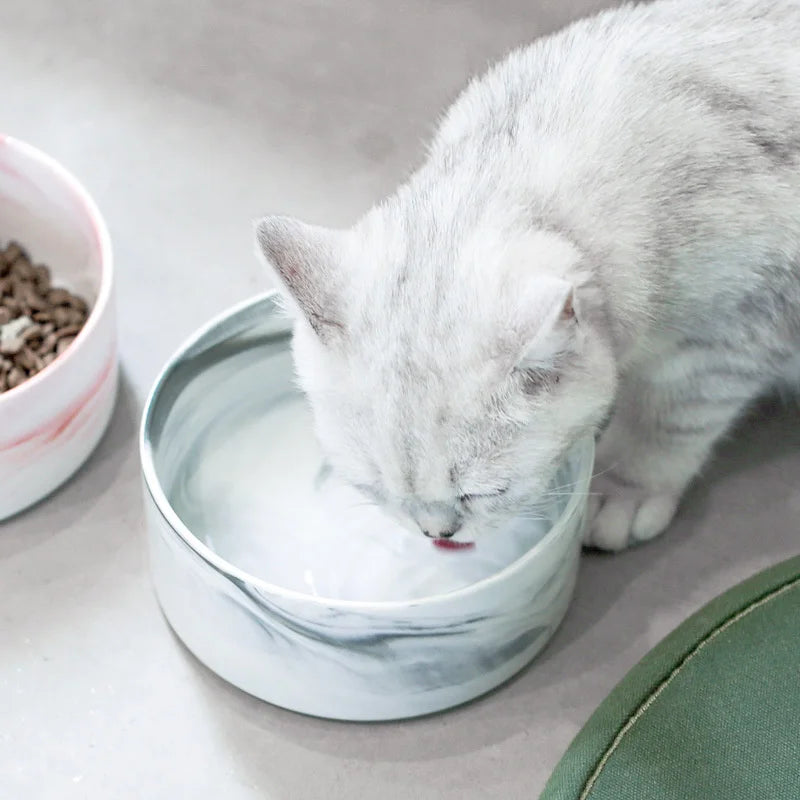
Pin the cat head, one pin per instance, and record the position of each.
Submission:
(448, 375)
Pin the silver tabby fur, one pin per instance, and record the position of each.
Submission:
(606, 230)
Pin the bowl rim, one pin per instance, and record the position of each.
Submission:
(231, 571)
(103, 243)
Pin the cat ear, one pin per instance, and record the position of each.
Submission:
(547, 326)
(306, 260)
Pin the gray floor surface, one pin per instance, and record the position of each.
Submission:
(186, 120)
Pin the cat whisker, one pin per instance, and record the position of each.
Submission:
(602, 472)
(573, 494)
(364, 504)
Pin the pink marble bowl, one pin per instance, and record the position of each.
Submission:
(51, 423)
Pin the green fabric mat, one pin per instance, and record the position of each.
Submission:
(712, 713)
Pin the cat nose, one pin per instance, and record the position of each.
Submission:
(446, 533)
(437, 520)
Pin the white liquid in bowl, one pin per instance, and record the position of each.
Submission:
(249, 489)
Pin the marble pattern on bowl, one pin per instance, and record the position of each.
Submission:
(52, 422)
(341, 659)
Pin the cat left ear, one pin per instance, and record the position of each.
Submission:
(549, 325)
(306, 260)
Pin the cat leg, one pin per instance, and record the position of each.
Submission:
(659, 437)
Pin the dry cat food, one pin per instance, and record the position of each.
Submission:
(37, 320)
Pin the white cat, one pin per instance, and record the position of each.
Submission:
(608, 223)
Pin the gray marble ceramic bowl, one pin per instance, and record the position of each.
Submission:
(343, 659)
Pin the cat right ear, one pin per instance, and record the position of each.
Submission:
(548, 326)
(306, 260)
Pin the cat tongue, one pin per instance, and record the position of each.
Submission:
(449, 544)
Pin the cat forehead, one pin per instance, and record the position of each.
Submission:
(456, 416)
(421, 444)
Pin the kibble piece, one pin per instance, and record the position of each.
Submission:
(64, 343)
(76, 317)
(24, 359)
(13, 305)
(61, 316)
(23, 269)
(12, 252)
(34, 342)
(79, 304)
(42, 277)
(58, 297)
(69, 330)
(18, 287)
(33, 299)
(48, 358)
(33, 331)
(37, 365)
(5, 315)
(15, 377)
(49, 343)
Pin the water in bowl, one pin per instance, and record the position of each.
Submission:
(249, 485)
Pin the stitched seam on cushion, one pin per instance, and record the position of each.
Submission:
(656, 693)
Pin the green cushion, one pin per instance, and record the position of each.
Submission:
(713, 712)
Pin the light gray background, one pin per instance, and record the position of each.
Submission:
(187, 118)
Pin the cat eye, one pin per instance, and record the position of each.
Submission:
(466, 498)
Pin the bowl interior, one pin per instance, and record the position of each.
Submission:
(46, 211)
(234, 453)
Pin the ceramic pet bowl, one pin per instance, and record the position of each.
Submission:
(51, 423)
(236, 499)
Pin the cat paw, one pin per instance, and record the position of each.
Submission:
(621, 515)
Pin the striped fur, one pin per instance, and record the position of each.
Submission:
(607, 225)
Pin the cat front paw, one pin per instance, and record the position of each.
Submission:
(623, 514)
